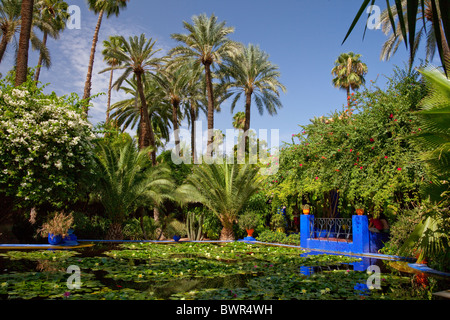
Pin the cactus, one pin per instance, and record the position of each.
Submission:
(194, 226)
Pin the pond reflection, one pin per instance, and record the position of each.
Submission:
(363, 265)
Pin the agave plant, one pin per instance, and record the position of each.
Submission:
(126, 180)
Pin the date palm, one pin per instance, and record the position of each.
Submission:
(10, 23)
(224, 189)
(126, 113)
(113, 43)
(52, 20)
(126, 180)
(137, 57)
(175, 83)
(100, 7)
(349, 72)
(207, 44)
(251, 74)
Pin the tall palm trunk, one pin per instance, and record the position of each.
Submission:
(39, 65)
(88, 84)
(108, 106)
(24, 41)
(147, 136)
(248, 104)
(175, 105)
(210, 93)
(193, 119)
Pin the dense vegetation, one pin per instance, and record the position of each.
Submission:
(386, 150)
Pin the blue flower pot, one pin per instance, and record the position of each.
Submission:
(176, 238)
(54, 240)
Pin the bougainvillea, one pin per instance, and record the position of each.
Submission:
(45, 145)
(357, 156)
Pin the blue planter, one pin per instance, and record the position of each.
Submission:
(176, 238)
(54, 240)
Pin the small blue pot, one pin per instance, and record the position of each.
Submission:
(176, 238)
(54, 240)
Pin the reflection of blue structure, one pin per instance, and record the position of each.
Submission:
(360, 240)
(362, 265)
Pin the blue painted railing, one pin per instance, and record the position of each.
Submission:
(361, 240)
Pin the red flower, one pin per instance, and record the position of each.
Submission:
(399, 169)
(351, 150)
(386, 157)
(361, 168)
(391, 116)
(301, 165)
(371, 140)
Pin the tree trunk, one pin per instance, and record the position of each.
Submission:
(39, 65)
(227, 232)
(210, 93)
(115, 232)
(248, 104)
(3, 44)
(176, 133)
(147, 136)
(108, 106)
(24, 41)
(88, 84)
(193, 119)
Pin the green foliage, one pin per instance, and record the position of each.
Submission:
(45, 145)
(363, 157)
(223, 188)
(279, 237)
(133, 230)
(126, 180)
(231, 271)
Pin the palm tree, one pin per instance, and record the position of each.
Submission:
(112, 44)
(100, 7)
(349, 72)
(440, 11)
(52, 20)
(207, 44)
(224, 189)
(434, 123)
(239, 121)
(251, 73)
(137, 57)
(126, 113)
(396, 37)
(126, 180)
(175, 82)
(26, 14)
(9, 22)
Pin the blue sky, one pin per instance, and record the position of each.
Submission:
(302, 37)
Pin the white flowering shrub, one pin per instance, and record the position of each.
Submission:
(45, 145)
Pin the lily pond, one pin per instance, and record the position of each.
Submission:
(200, 271)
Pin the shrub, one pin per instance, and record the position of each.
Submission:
(279, 237)
(45, 145)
